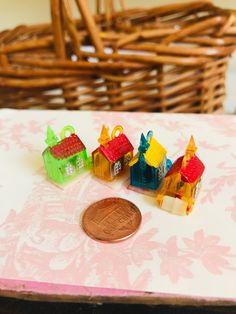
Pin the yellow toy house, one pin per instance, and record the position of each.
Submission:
(113, 155)
(180, 186)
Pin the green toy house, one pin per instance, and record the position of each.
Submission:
(64, 158)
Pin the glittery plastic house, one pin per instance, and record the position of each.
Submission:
(149, 165)
(64, 158)
(181, 184)
(113, 155)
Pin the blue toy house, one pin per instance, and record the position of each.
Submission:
(150, 164)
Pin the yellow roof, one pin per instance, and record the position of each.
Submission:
(134, 160)
(154, 154)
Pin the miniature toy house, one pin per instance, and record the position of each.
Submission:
(149, 165)
(180, 186)
(64, 158)
(113, 155)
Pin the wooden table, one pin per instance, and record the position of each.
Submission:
(171, 260)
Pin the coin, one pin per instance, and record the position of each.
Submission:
(111, 219)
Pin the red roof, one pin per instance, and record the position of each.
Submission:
(175, 167)
(67, 147)
(116, 148)
(192, 172)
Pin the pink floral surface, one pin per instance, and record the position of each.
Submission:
(40, 235)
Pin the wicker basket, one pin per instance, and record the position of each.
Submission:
(171, 58)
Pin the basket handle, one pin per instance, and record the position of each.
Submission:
(109, 9)
(62, 17)
(59, 39)
(109, 5)
(90, 24)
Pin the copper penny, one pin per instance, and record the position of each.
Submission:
(111, 219)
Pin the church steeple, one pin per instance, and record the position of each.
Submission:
(191, 148)
(51, 139)
(143, 146)
(190, 151)
(104, 136)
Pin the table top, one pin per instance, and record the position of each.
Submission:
(44, 252)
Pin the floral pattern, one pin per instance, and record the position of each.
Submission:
(15, 134)
(213, 256)
(232, 209)
(40, 235)
(174, 264)
(216, 184)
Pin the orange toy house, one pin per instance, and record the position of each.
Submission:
(181, 183)
(113, 155)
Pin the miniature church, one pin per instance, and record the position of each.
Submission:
(149, 165)
(181, 184)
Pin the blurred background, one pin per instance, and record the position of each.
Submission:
(14, 13)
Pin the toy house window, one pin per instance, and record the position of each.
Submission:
(69, 169)
(160, 172)
(117, 168)
(96, 162)
(163, 167)
(80, 162)
(196, 189)
(127, 159)
(179, 185)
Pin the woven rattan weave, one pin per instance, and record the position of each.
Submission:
(171, 58)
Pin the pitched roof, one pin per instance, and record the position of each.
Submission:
(134, 160)
(192, 172)
(67, 147)
(175, 167)
(116, 148)
(154, 154)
